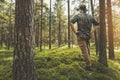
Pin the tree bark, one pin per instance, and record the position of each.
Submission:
(2, 30)
(41, 25)
(69, 23)
(23, 65)
(10, 27)
(110, 31)
(95, 33)
(50, 27)
(59, 32)
(102, 52)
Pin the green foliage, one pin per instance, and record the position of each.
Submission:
(67, 64)
(2, 0)
(62, 64)
(5, 64)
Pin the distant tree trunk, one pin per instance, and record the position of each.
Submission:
(69, 23)
(23, 65)
(37, 25)
(50, 27)
(110, 31)
(37, 32)
(59, 32)
(41, 26)
(2, 34)
(36, 40)
(10, 27)
(102, 52)
(95, 33)
(65, 36)
(54, 35)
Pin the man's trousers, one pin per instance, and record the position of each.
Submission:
(84, 46)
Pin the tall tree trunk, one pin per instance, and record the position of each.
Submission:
(37, 32)
(65, 36)
(37, 25)
(59, 32)
(10, 27)
(50, 27)
(69, 23)
(102, 52)
(110, 31)
(23, 65)
(54, 34)
(2, 30)
(95, 33)
(41, 26)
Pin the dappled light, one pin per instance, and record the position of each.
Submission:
(59, 40)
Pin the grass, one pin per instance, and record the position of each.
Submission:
(63, 64)
(6, 64)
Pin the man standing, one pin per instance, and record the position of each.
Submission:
(84, 24)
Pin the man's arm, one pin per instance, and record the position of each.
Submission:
(95, 24)
(73, 20)
(72, 27)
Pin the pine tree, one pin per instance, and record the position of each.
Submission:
(23, 65)
(110, 31)
(102, 45)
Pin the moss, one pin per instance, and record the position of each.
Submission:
(5, 73)
(63, 64)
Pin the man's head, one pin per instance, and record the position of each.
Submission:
(82, 8)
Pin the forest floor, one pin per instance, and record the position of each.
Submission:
(63, 64)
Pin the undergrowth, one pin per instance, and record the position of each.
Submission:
(63, 64)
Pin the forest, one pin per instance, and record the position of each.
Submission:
(37, 41)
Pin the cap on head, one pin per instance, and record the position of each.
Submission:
(83, 8)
